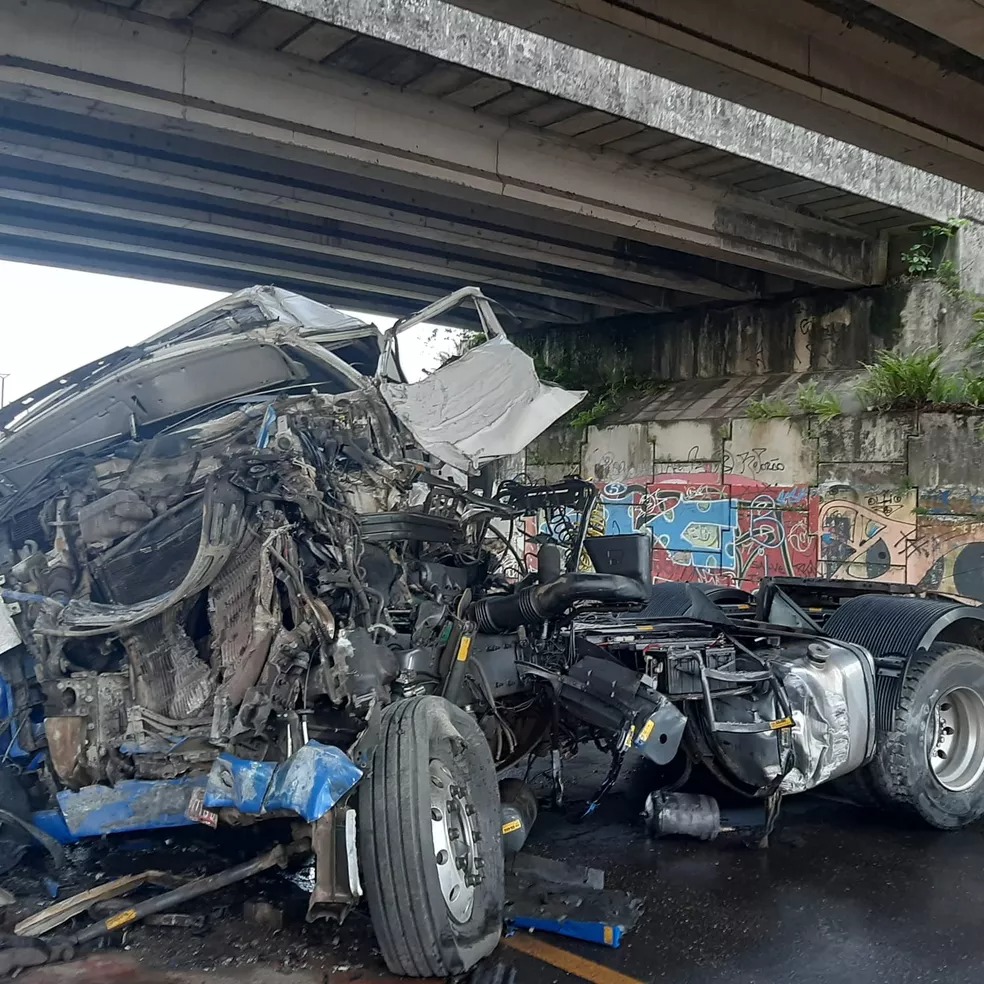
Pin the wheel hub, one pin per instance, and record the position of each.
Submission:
(956, 739)
(455, 837)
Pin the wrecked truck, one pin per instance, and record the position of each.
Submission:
(249, 570)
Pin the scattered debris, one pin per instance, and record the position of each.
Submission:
(62, 912)
(176, 920)
(556, 898)
(277, 857)
(263, 914)
(682, 813)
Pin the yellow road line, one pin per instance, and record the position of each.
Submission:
(564, 960)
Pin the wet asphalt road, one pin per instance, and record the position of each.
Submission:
(841, 895)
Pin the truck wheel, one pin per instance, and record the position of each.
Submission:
(430, 841)
(930, 761)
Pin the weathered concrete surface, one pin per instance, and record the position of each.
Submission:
(826, 331)
(957, 21)
(526, 58)
(897, 498)
(179, 147)
(838, 68)
(892, 497)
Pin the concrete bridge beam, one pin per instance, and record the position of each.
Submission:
(117, 65)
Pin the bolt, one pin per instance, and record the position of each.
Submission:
(453, 834)
(442, 857)
(470, 810)
(436, 814)
(479, 862)
(459, 863)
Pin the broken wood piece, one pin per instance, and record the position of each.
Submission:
(59, 913)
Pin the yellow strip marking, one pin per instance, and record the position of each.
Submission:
(121, 919)
(647, 730)
(508, 828)
(784, 723)
(464, 648)
(569, 962)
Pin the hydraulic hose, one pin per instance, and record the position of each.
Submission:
(541, 602)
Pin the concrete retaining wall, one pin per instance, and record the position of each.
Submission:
(891, 497)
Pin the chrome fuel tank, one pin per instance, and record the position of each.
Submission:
(830, 686)
(830, 689)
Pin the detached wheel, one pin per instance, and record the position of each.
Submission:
(930, 762)
(430, 841)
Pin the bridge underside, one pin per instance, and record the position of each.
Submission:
(226, 142)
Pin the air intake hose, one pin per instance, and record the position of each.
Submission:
(540, 602)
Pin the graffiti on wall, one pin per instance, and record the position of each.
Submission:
(744, 528)
(734, 532)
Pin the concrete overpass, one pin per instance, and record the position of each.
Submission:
(903, 78)
(380, 154)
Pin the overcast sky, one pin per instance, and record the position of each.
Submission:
(56, 320)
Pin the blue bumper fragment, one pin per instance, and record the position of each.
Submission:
(309, 784)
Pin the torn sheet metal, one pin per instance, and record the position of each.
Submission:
(488, 404)
(309, 783)
(133, 804)
(267, 305)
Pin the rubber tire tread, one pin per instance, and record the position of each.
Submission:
(394, 867)
(396, 872)
(889, 771)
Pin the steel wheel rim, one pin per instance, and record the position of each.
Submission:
(455, 842)
(956, 739)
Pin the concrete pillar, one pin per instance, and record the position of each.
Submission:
(970, 256)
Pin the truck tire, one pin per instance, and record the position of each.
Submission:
(930, 760)
(430, 840)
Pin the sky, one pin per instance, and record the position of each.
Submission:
(56, 320)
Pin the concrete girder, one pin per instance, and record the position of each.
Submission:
(255, 263)
(192, 274)
(116, 60)
(578, 73)
(792, 60)
(291, 236)
(117, 157)
(961, 22)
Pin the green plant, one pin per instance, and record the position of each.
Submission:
(977, 339)
(764, 408)
(971, 389)
(598, 410)
(903, 382)
(920, 257)
(948, 275)
(826, 405)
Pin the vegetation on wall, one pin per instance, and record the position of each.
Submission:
(808, 400)
(917, 382)
(606, 391)
(927, 256)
